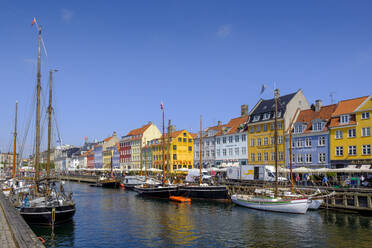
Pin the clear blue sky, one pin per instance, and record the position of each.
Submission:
(119, 59)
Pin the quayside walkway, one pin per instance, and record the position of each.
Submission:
(14, 231)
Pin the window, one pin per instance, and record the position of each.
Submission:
(272, 126)
(272, 140)
(230, 151)
(174, 156)
(208, 143)
(352, 133)
(184, 140)
(338, 134)
(294, 158)
(339, 151)
(212, 153)
(207, 153)
(252, 142)
(179, 139)
(224, 152)
(281, 156)
(218, 140)
(258, 128)
(258, 141)
(190, 140)
(230, 139)
(321, 141)
(366, 131)
(265, 127)
(224, 140)
(308, 158)
(266, 156)
(244, 150)
(308, 142)
(244, 137)
(280, 126)
(366, 149)
(266, 140)
(190, 148)
(266, 116)
(203, 154)
(344, 119)
(352, 150)
(184, 134)
(259, 156)
(300, 159)
(299, 143)
(272, 156)
(298, 128)
(251, 129)
(218, 152)
(365, 115)
(237, 151)
(174, 147)
(252, 157)
(322, 157)
(280, 139)
(237, 138)
(256, 118)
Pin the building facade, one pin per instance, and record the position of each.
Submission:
(310, 137)
(261, 144)
(350, 133)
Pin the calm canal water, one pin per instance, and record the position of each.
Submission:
(119, 218)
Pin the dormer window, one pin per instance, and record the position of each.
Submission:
(318, 126)
(266, 116)
(299, 128)
(256, 118)
(344, 119)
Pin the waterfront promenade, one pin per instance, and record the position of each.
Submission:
(14, 231)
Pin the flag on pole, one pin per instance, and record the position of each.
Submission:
(263, 87)
(33, 21)
(161, 105)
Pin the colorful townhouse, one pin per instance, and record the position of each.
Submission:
(138, 138)
(178, 151)
(90, 159)
(98, 156)
(208, 146)
(125, 153)
(147, 154)
(350, 133)
(310, 137)
(231, 141)
(261, 127)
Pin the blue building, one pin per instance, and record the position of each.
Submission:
(310, 137)
(98, 156)
(116, 157)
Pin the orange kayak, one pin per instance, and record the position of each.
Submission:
(179, 199)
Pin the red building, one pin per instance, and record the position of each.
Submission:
(90, 159)
(125, 153)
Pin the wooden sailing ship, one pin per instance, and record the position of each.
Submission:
(46, 203)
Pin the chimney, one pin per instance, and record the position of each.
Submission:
(114, 134)
(318, 105)
(244, 110)
(172, 128)
(219, 123)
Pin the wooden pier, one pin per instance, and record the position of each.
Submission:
(14, 231)
(347, 199)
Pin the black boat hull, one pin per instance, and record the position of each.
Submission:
(113, 185)
(43, 215)
(130, 186)
(158, 192)
(218, 193)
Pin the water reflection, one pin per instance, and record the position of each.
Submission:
(118, 218)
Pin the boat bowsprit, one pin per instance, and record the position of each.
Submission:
(276, 204)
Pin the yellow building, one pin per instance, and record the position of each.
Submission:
(178, 151)
(350, 133)
(261, 147)
(106, 158)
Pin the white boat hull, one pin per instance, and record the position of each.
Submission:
(314, 204)
(296, 206)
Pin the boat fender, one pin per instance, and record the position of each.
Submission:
(41, 239)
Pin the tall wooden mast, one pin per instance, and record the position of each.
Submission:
(49, 121)
(38, 89)
(145, 162)
(276, 96)
(15, 141)
(163, 140)
(200, 152)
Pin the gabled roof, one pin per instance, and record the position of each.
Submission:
(233, 126)
(268, 106)
(140, 130)
(308, 115)
(348, 106)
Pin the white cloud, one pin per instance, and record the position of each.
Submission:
(66, 15)
(224, 30)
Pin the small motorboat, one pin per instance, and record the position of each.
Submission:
(180, 199)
